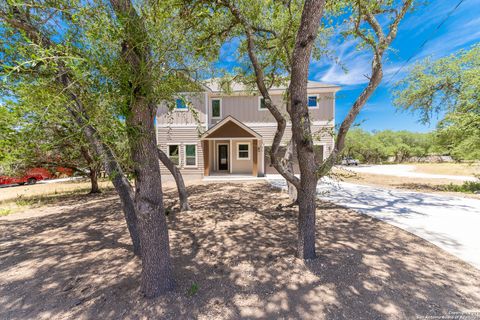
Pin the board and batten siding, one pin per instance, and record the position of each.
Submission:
(181, 136)
(242, 107)
(246, 108)
(196, 102)
(322, 135)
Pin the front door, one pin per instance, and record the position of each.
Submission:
(222, 157)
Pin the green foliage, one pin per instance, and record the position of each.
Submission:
(21, 202)
(467, 187)
(5, 211)
(379, 146)
(450, 85)
(193, 289)
(459, 133)
(274, 26)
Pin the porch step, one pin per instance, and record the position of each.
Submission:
(230, 177)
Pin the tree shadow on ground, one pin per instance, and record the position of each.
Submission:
(238, 249)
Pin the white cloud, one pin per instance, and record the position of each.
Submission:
(357, 65)
(460, 30)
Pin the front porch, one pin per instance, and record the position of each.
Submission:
(231, 148)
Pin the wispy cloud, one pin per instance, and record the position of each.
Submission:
(351, 68)
(460, 30)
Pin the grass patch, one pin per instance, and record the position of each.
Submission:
(193, 289)
(5, 211)
(21, 202)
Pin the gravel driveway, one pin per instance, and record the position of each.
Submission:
(452, 223)
(404, 170)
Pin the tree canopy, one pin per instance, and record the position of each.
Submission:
(449, 85)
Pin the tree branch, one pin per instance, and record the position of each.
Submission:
(260, 80)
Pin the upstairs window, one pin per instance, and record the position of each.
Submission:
(312, 101)
(216, 108)
(180, 104)
(190, 155)
(243, 151)
(173, 154)
(261, 104)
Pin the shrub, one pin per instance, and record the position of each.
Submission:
(467, 186)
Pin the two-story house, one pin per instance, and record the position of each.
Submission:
(215, 133)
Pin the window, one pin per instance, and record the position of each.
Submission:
(216, 108)
(312, 102)
(261, 104)
(173, 153)
(190, 155)
(180, 104)
(243, 151)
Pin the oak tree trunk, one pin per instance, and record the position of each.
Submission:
(94, 172)
(157, 274)
(306, 218)
(94, 169)
(301, 129)
(177, 175)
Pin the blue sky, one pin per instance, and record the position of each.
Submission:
(461, 30)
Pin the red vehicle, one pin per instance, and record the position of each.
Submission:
(31, 176)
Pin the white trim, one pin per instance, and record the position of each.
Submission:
(206, 110)
(249, 124)
(260, 104)
(228, 138)
(219, 124)
(231, 157)
(273, 91)
(228, 151)
(262, 154)
(274, 124)
(249, 144)
(214, 155)
(176, 125)
(211, 108)
(185, 144)
(179, 145)
(318, 98)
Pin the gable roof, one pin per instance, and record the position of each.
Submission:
(229, 127)
(214, 85)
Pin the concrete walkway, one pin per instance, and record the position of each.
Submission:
(451, 223)
(404, 170)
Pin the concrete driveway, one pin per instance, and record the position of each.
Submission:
(451, 223)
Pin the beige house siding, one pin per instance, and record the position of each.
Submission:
(246, 108)
(195, 101)
(322, 134)
(239, 165)
(242, 107)
(185, 127)
(181, 136)
(236, 165)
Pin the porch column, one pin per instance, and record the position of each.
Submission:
(255, 158)
(206, 158)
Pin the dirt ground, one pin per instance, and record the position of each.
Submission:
(460, 169)
(233, 258)
(405, 183)
(44, 189)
